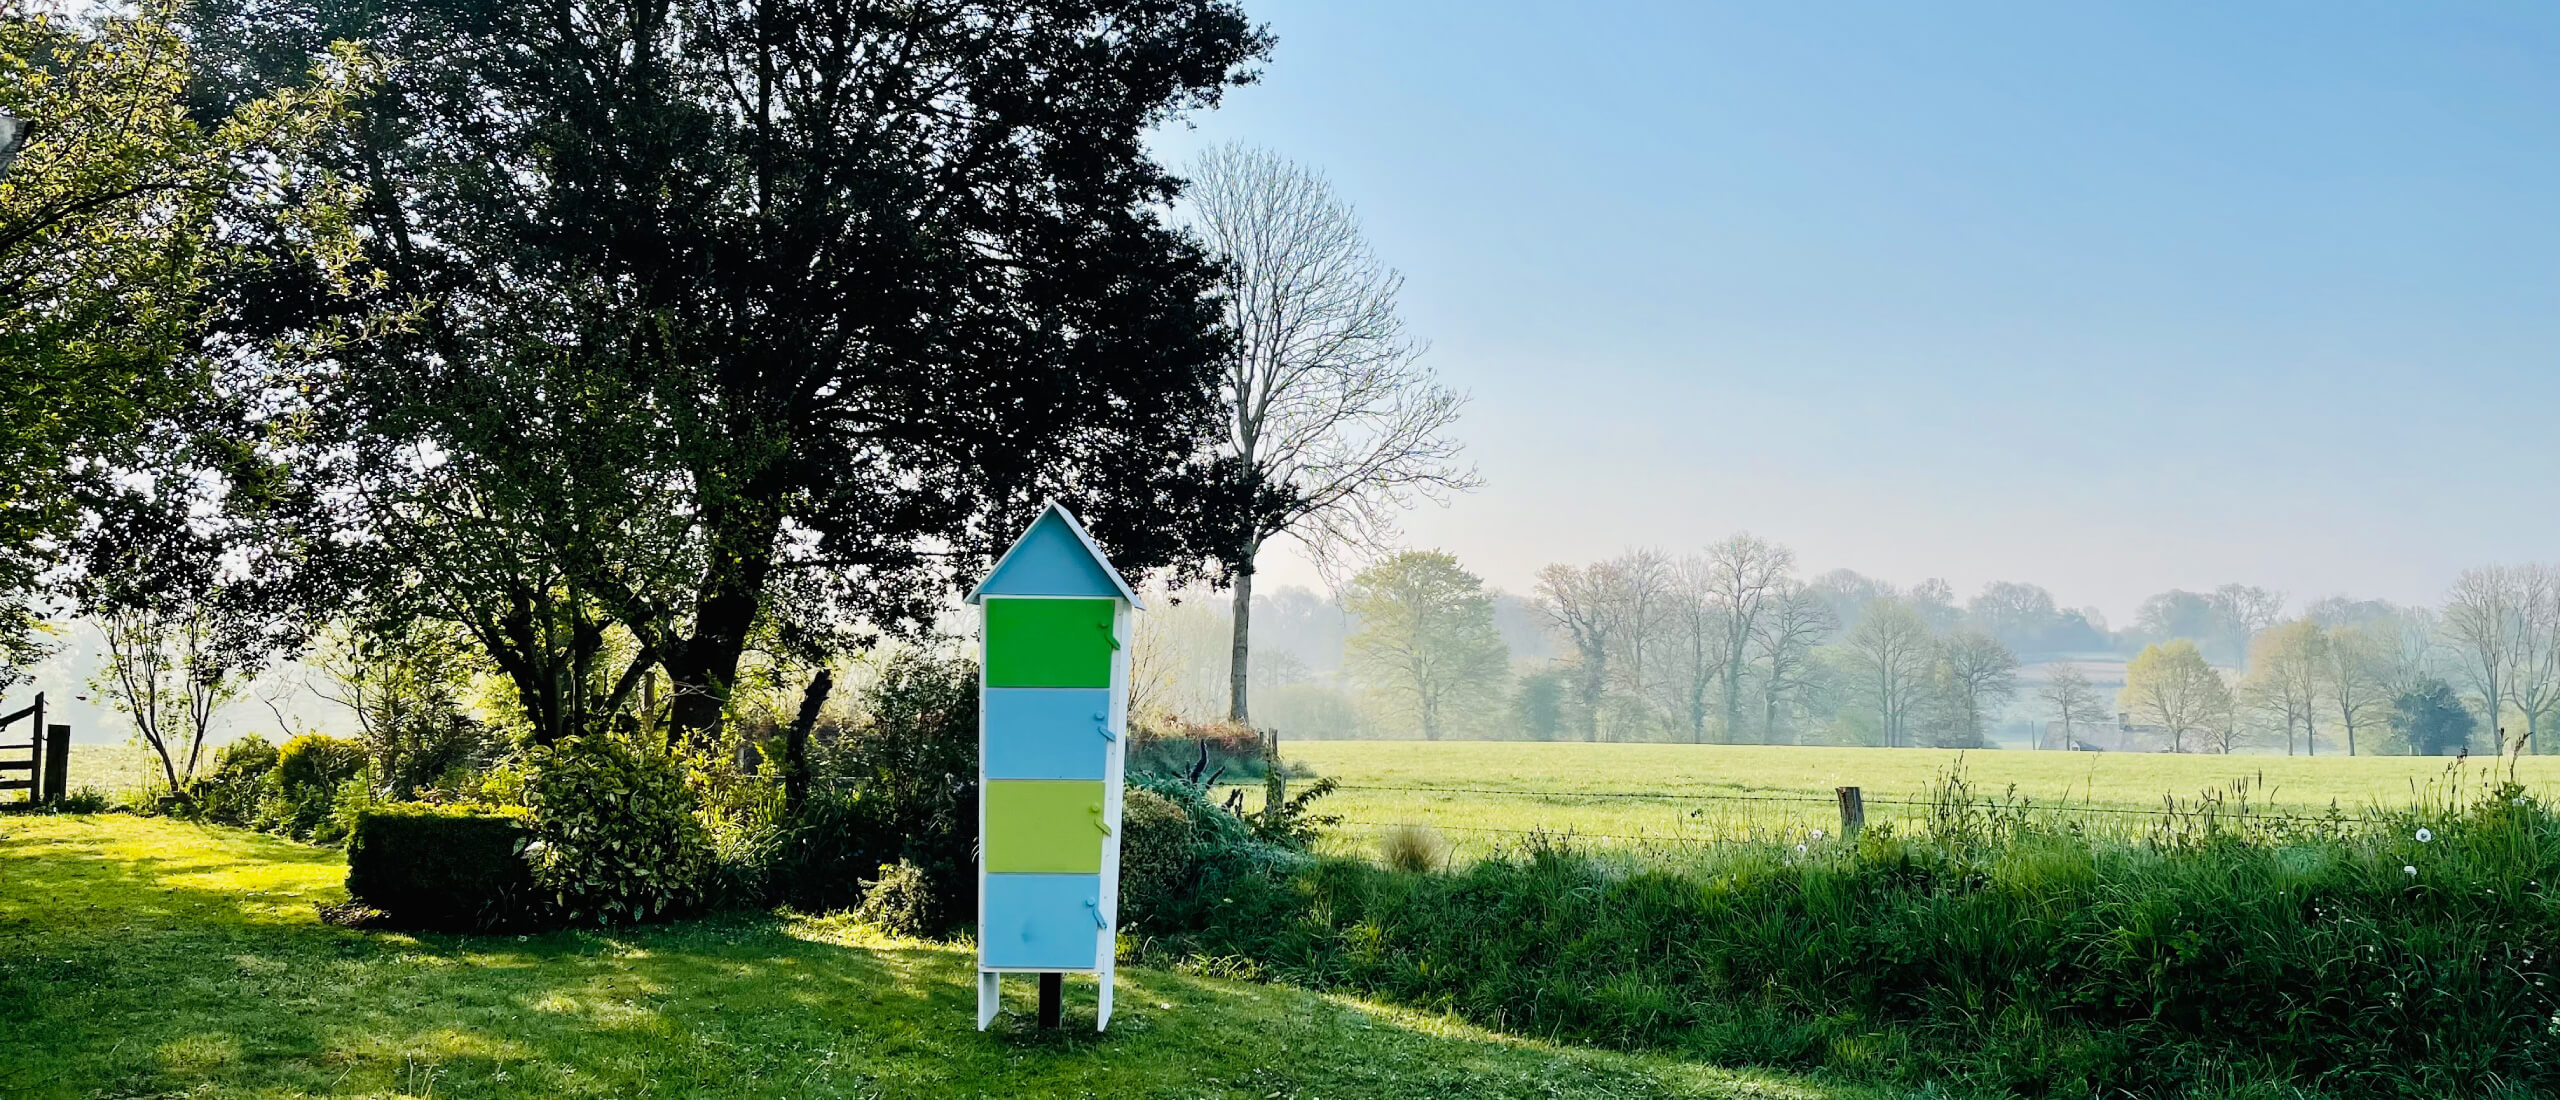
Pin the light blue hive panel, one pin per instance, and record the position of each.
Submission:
(1047, 733)
(1041, 922)
(1051, 560)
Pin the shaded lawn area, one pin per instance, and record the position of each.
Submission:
(146, 957)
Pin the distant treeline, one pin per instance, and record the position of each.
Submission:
(1730, 645)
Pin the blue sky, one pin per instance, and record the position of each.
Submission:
(2112, 298)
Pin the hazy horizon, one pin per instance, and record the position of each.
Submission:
(2111, 299)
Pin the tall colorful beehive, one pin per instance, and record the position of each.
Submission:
(1053, 696)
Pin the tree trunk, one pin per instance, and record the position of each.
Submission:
(1733, 699)
(704, 667)
(1239, 658)
(795, 747)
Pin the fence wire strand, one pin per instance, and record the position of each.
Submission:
(1789, 799)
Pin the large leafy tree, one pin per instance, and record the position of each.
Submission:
(733, 324)
(116, 221)
(1426, 642)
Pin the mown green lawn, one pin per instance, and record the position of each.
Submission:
(152, 958)
(1681, 792)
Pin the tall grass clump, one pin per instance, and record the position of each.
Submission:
(1995, 947)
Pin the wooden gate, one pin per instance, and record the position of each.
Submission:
(44, 773)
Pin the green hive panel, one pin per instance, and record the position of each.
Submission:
(1049, 643)
(1051, 826)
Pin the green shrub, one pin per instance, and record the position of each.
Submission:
(429, 750)
(900, 785)
(442, 869)
(1232, 875)
(84, 800)
(618, 839)
(1159, 854)
(900, 902)
(826, 849)
(355, 796)
(302, 790)
(229, 794)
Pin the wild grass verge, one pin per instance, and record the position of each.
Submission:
(2215, 952)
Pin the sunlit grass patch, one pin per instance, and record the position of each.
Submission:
(143, 957)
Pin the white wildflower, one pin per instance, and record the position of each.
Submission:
(2408, 870)
(2426, 835)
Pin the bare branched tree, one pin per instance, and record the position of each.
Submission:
(2354, 679)
(2537, 659)
(1783, 643)
(1330, 412)
(1696, 644)
(1892, 652)
(2482, 619)
(2072, 701)
(1575, 600)
(1744, 573)
(1643, 597)
(163, 669)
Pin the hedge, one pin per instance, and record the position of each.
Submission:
(442, 869)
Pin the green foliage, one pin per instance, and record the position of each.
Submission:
(406, 687)
(898, 786)
(2404, 955)
(900, 902)
(112, 224)
(1201, 861)
(2170, 687)
(231, 793)
(2432, 721)
(1538, 705)
(1292, 822)
(756, 425)
(439, 868)
(1159, 853)
(1426, 643)
(302, 790)
(619, 841)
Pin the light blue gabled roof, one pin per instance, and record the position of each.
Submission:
(1054, 557)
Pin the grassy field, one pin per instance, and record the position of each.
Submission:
(147, 957)
(1632, 792)
(115, 769)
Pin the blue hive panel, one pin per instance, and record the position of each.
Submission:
(1051, 560)
(1047, 733)
(1041, 922)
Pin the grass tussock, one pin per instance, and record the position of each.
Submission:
(2212, 951)
(1412, 848)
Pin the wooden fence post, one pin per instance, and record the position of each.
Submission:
(1853, 812)
(57, 763)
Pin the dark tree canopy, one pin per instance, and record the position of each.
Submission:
(734, 324)
(2432, 719)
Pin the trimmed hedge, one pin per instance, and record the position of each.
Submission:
(442, 869)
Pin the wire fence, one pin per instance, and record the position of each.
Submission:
(1718, 817)
(1807, 800)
